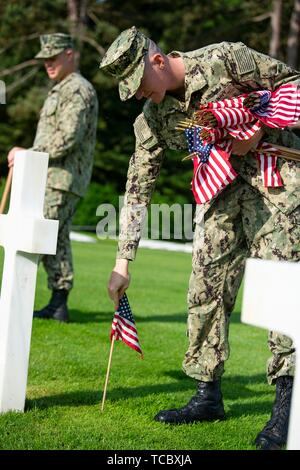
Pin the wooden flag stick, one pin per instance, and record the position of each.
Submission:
(6, 191)
(285, 152)
(288, 153)
(108, 371)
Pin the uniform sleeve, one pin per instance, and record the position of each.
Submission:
(144, 168)
(255, 70)
(70, 125)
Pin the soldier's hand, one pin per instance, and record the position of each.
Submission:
(11, 156)
(241, 147)
(119, 281)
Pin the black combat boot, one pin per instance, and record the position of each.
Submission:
(206, 405)
(57, 307)
(274, 434)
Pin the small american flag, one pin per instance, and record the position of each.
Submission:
(277, 109)
(280, 108)
(212, 170)
(123, 326)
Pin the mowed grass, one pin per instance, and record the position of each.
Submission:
(68, 365)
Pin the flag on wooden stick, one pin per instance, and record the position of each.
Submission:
(123, 326)
(123, 329)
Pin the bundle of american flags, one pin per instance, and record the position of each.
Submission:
(123, 326)
(208, 136)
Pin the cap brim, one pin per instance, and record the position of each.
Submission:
(129, 85)
(47, 55)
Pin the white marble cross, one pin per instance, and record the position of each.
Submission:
(24, 234)
(272, 300)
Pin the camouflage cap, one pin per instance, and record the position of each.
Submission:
(53, 44)
(125, 60)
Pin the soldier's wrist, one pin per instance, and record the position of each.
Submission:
(121, 266)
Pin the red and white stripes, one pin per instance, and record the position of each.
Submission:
(210, 178)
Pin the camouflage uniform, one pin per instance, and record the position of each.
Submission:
(246, 219)
(67, 131)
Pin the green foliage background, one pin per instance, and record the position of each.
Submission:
(173, 24)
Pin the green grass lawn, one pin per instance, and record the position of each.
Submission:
(68, 365)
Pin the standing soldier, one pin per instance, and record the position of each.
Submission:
(67, 132)
(246, 219)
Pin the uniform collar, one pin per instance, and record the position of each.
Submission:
(66, 80)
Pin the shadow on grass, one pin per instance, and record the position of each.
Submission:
(82, 397)
(78, 316)
(235, 317)
(235, 387)
(237, 410)
(71, 399)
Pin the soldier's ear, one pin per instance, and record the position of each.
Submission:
(158, 60)
(70, 53)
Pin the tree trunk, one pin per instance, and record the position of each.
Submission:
(275, 26)
(72, 16)
(293, 38)
(77, 16)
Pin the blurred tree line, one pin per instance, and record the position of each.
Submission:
(270, 26)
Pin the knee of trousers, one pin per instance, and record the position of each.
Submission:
(206, 290)
(207, 317)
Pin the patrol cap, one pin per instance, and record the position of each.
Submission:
(53, 44)
(125, 60)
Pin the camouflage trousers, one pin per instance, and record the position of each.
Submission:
(241, 223)
(60, 205)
